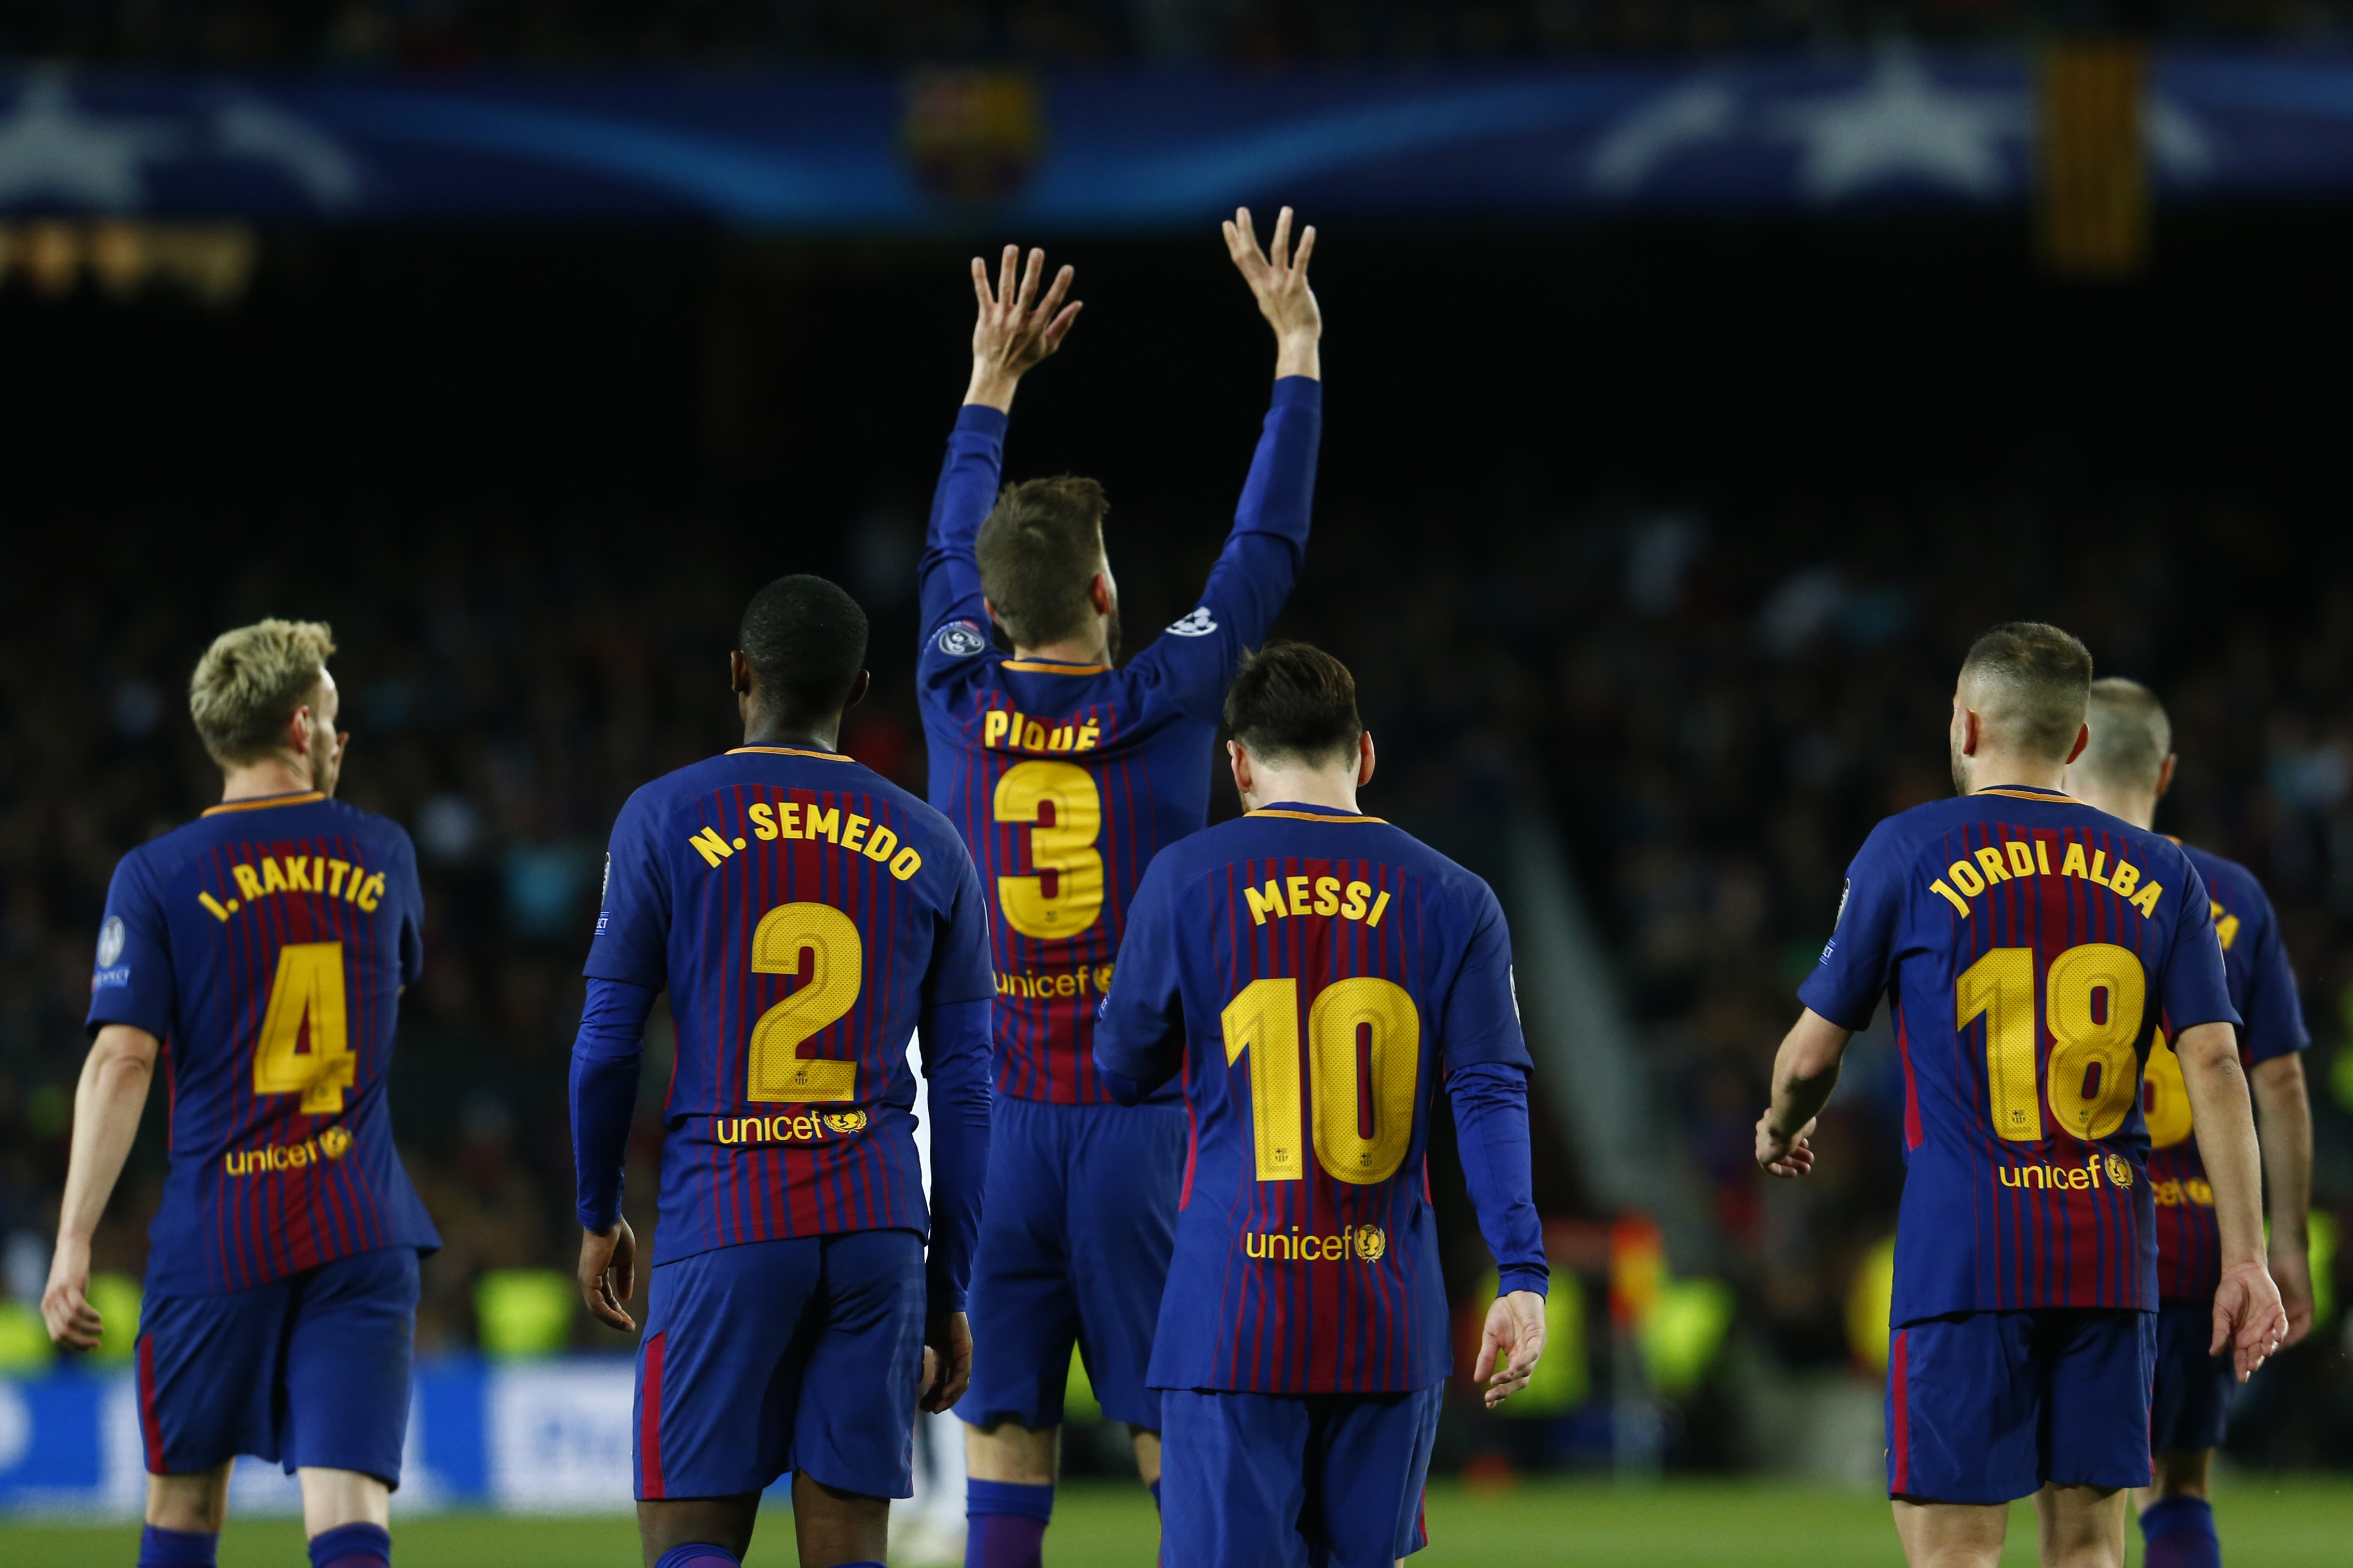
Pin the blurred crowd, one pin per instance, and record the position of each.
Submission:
(1715, 708)
(457, 34)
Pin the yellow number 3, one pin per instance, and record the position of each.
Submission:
(308, 989)
(837, 956)
(1065, 847)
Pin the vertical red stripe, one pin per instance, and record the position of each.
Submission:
(650, 1399)
(1899, 1419)
(151, 1428)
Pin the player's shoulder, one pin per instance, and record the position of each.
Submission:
(1299, 833)
(2229, 884)
(165, 855)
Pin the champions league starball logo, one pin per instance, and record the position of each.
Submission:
(960, 639)
(109, 942)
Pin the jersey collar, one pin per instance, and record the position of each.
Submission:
(2029, 792)
(264, 802)
(1301, 812)
(787, 752)
(1053, 667)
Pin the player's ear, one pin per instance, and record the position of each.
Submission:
(1240, 762)
(739, 673)
(1099, 593)
(858, 689)
(994, 618)
(2165, 774)
(1364, 759)
(2082, 739)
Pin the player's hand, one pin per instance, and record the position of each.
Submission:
(2249, 1322)
(71, 1321)
(1509, 1349)
(1016, 329)
(1780, 1154)
(1278, 275)
(2290, 1268)
(608, 1274)
(948, 1361)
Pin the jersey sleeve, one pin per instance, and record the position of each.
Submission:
(2273, 1013)
(1481, 1018)
(1140, 1034)
(411, 910)
(954, 619)
(962, 969)
(131, 981)
(1199, 655)
(632, 940)
(1858, 960)
(2196, 988)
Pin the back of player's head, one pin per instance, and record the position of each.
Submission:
(805, 640)
(2029, 683)
(1038, 550)
(250, 681)
(2131, 736)
(1292, 703)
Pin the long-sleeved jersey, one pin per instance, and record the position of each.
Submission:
(266, 945)
(1315, 973)
(2262, 989)
(2033, 947)
(804, 913)
(1067, 779)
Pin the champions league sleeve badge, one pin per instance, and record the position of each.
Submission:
(960, 639)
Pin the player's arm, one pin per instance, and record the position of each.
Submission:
(2248, 1317)
(2283, 1128)
(958, 1052)
(1140, 1034)
(605, 1059)
(1805, 1070)
(1487, 1064)
(107, 1103)
(1015, 332)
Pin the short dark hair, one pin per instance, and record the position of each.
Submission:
(1038, 550)
(806, 641)
(2131, 735)
(2035, 685)
(1294, 702)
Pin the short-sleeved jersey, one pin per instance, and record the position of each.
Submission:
(1067, 779)
(2262, 989)
(266, 945)
(2033, 947)
(802, 912)
(1320, 971)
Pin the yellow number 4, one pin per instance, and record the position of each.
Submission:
(308, 991)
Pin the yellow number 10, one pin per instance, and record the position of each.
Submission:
(307, 989)
(1352, 1145)
(2094, 1074)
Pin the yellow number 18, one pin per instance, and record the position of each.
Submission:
(2093, 1074)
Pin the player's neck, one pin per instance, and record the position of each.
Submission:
(272, 776)
(1997, 770)
(762, 728)
(1070, 650)
(2126, 805)
(1303, 786)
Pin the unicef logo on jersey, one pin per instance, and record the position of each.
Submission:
(1200, 624)
(109, 942)
(960, 639)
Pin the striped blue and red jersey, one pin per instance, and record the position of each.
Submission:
(1067, 779)
(266, 945)
(2032, 947)
(804, 914)
(1316, 974)
(2262, 989)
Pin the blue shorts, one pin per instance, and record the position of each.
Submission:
(804, 1355)
(2191, 1407)
(1074, 1246)
(310, 1370)
(1987, 1407)
(1293, 1481)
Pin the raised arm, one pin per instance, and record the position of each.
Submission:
(1278, 277)
(1015, 331)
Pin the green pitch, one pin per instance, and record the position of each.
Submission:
(2266, 1523)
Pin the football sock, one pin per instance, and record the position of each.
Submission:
(1006, 1525)
(352, 1546)
(161, 1548)
(697, 1555)
(2181, 1534)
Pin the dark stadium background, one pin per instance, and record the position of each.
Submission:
(1672, 531)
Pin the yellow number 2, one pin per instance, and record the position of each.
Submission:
(1355, 1142)
(308, 991)
(2093, 1071)
(835, 954)
(1065, 847)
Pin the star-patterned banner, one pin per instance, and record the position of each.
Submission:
(939, 151)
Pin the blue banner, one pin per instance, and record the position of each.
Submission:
(939, 152)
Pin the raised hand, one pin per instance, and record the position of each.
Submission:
(1781, 1155)
(1511, 1345)
(1016, 328)
(1278, 277)
(2249, 1322)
